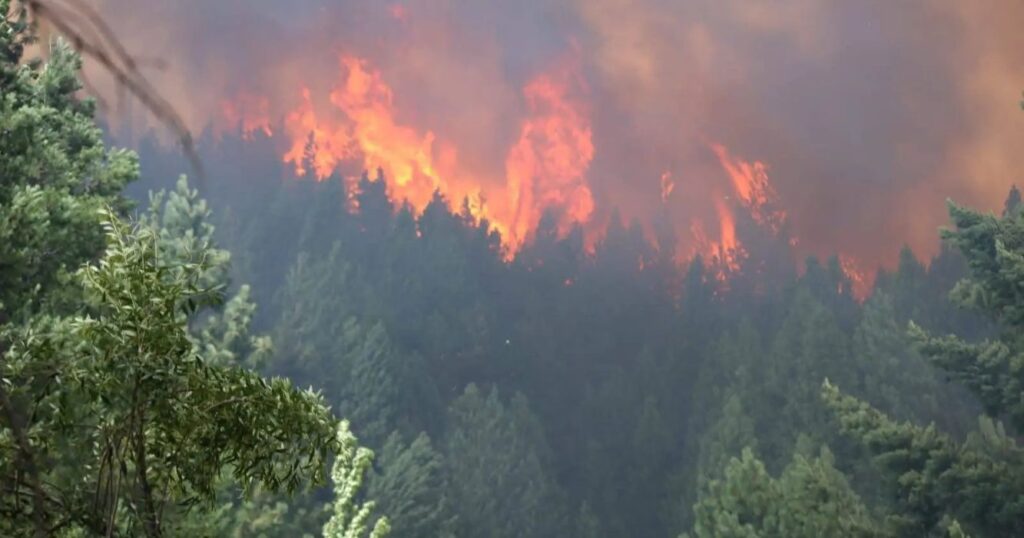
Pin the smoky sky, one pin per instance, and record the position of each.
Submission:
(868, 114)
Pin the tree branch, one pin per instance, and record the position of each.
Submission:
(25, 456)
(92, 37)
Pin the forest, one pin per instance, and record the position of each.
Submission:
(241, 355)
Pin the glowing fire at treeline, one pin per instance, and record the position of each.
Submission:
(685, 117)
(545, 168)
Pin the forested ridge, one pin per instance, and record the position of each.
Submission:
(154, 347)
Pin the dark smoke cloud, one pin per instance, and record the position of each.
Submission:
(869, 114)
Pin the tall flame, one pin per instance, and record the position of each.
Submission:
(728, 249)
(366, 130)
(405, 155)
(249, 113)
(545, 169)
(667, 185)
(860, 283)
(547, 166)
(313, 142)
(356, 126)
(750, 183)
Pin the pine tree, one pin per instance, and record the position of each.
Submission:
(163, 422)
(109, 410)
(980, 482)
(728, 436)
(1012, 205)
(587, 523)
(350, 518)
(411, 487)
(498, 483)
(895, 376)
(811, 499)
(186, 233)
(186, 236)
(808, 346)
(934, 477)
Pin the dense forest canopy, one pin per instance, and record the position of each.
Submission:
(153, 338)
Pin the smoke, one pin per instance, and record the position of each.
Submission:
(866, 115)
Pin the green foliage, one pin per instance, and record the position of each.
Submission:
(728, 436)
(934, 476)
(55, 174)
(261, 514)
(498, 482)
(411, 488)
(350, 518)
(162, 422)
(810, 499)
(994, 249)
(587, 524)
(979, 482)
(114, 417)
(186, 233)
(644, 380)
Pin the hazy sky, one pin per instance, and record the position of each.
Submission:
(868, 114)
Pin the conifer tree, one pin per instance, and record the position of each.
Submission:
(1012, 205)
(108, 410)
(411, 487)
(979, 483)
(162, 421)
(349, 517)
(810, 499)
(498, 482)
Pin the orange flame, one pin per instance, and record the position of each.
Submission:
(545, 169)
(728, 249)
(547, 166)
(247, 112)
(356, 126)
(667, 185)
(750, 183)
(860, 284)
(723, 255)
(405, 156)
(314, 143)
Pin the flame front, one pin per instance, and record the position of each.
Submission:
(355, 127)
(859, 283)
(313, 143)
(750, 183)
(249, 113)
(498, 106)
(546, 169)
(725, 253)
(363, 128)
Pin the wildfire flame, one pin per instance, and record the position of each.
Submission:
(365, 130)
(750, 183)
(860, 284)
(313, 143)
(545, 169)
(249, 113)
(547, 166)
(355, 127)
(667, 185)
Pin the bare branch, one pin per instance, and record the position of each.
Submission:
(93, 38)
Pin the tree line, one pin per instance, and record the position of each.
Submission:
(153, 346)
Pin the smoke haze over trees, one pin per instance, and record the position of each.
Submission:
(593, 377)
(867, 116)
